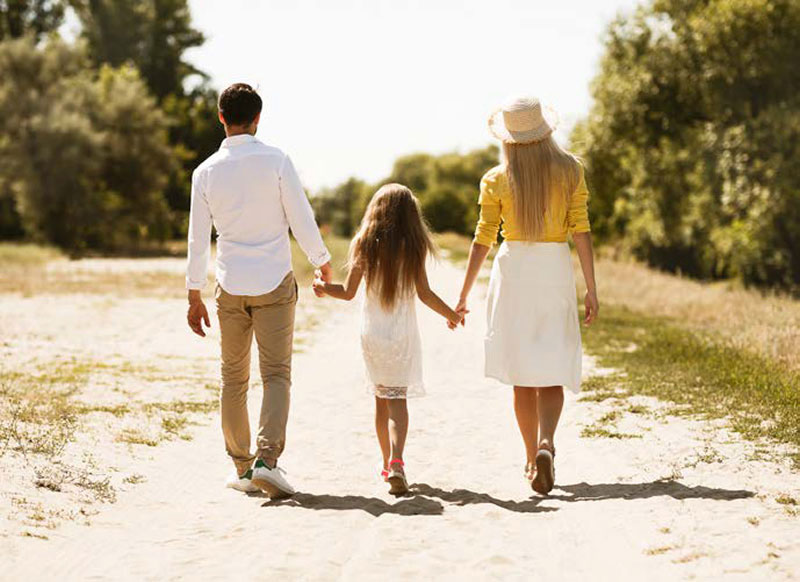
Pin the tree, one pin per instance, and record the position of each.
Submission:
(84, 152)
(151, 34)
(342, 207)
(29, 17)
(690, 141)
(446, 185)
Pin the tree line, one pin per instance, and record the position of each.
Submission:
(98, 136)
(446, 185)
(692, 144)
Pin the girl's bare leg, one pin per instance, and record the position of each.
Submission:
(398, 426)
(525, 407)
(551, 401)
(382, 428)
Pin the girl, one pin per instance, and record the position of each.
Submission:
(389, 251)
(533, 341)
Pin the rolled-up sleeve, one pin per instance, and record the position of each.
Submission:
(199, 235)
(489, 220)
(578, 213)
(300, 215)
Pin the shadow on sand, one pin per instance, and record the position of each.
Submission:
(425, 500)
(663, 487)
(413, 505)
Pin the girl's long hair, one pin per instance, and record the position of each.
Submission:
(538, 173)
(392, 243)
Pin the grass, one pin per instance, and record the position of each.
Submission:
(136, 436)
(600, 432)
(700, 373)
(657, 551)
(27, 254)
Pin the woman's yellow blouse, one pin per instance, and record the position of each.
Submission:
(497, 207)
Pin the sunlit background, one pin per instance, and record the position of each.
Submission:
(351, 85)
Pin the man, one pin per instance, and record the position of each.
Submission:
(252, 194)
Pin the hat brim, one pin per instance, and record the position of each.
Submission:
(498, 128)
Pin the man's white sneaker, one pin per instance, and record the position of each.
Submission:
(271, 481)
(243, 483)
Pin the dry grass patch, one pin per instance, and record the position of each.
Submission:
(765, 323)
(30, 269)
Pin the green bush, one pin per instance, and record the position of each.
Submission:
(84, 152)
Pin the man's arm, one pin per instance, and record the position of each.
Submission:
(301, 219)
(198, 254)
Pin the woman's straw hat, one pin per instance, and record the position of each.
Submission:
(522, 120)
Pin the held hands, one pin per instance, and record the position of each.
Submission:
(321, 276)
(318, 285)
(461, 310)
(592, 307)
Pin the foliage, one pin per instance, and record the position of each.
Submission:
(693, 141)
(29, 17)
(341, 207)
(446, 185)
(153, 36)
(83, 151)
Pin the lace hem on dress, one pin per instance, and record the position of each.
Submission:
(396, 392)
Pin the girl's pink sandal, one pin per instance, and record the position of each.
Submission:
(398, 485)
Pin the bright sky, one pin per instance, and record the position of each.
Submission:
(349, 85)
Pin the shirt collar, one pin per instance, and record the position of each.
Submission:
(236, 140)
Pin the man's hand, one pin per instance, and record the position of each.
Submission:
(318, 285)
(325, 275)
(326, 272)
(197, 313)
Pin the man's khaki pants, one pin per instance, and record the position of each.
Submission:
(271, 316)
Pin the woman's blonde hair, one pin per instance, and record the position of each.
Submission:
(392, 243)
(538, 173)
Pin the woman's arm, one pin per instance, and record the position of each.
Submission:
(583, 244)
(345, 292)
(477, 255)
(432, 300)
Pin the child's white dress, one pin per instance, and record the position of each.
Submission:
(391, 346)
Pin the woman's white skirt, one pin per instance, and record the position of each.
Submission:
(533, 337)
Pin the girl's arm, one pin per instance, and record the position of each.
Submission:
(583, 244)
(477, 255)
(346, 291)
(432, 300)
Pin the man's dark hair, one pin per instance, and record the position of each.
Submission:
(239, 104)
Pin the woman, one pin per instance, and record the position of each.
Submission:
(533, 339)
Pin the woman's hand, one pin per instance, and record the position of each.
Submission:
(592, 307)
(453, 323)
(462, 310)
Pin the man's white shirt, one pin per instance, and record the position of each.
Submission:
(253, 195)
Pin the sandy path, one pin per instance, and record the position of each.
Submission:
(658, 507)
